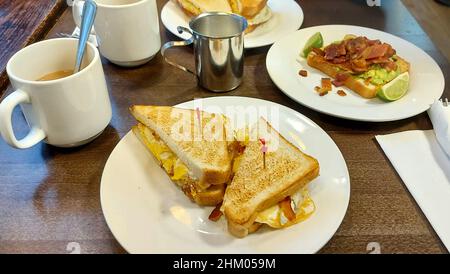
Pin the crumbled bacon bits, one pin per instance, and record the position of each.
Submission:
(303, 73)
(326, 87)
(341, 93)
(216, 213)
(323, 93)
(326, 84)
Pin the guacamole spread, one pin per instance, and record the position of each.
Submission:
(379, 76)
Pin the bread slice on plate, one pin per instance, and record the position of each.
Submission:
(197, 158)
(358, 85)
(262, 184)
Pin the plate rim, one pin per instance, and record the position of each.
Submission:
(344, 116)
(339, 220)
(300, 24)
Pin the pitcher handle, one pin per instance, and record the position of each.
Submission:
(171, 44)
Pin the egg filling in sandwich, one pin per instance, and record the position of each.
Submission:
(365, 66)
(270, 184)
(197, 158)
(255, 11)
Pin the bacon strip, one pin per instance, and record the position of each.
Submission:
(318, 51)
(340, 79)
(285, 206)
(216, 213)
(390, 66)
(357, 55)
(377, 51)
(337, 84)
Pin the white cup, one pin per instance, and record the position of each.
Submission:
(65, 112)
(127, 30)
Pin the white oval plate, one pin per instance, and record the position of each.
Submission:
(287, 18)
(283, 63)
(147, 213)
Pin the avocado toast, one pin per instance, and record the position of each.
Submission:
(365, 66)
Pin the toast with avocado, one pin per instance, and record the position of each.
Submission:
(367, 67)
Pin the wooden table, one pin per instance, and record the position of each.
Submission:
(23, 22)
(49, 197)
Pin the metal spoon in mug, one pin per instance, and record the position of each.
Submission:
(87, 21)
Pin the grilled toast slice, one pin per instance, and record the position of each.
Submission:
(257, 186)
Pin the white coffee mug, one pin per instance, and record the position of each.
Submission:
(127, 30)
(65, 112)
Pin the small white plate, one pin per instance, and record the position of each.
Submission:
(147, 213)
(287, 18)
(284, 62)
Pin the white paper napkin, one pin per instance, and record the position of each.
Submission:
(440, 117)
(425, 169)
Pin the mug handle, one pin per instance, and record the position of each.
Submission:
(77, 10)
(6, 108)
(171, 44)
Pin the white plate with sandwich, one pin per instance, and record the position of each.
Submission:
(355, 73)
(284, 192)
(268, 20)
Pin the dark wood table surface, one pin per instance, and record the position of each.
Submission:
(23, 22)
(49, 197)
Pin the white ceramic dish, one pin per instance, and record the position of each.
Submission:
(147, 213)
(287, 18)
(283, 64)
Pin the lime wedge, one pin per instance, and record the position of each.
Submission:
(395, 89)
(315, 41)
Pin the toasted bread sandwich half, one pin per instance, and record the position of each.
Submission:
(255, 11)
(269, 188)
(361, 64)
(197, 158)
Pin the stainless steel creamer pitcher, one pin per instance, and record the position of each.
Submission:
(218, 40)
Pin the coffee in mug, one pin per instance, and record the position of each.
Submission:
(65, 109)
(56, 75)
